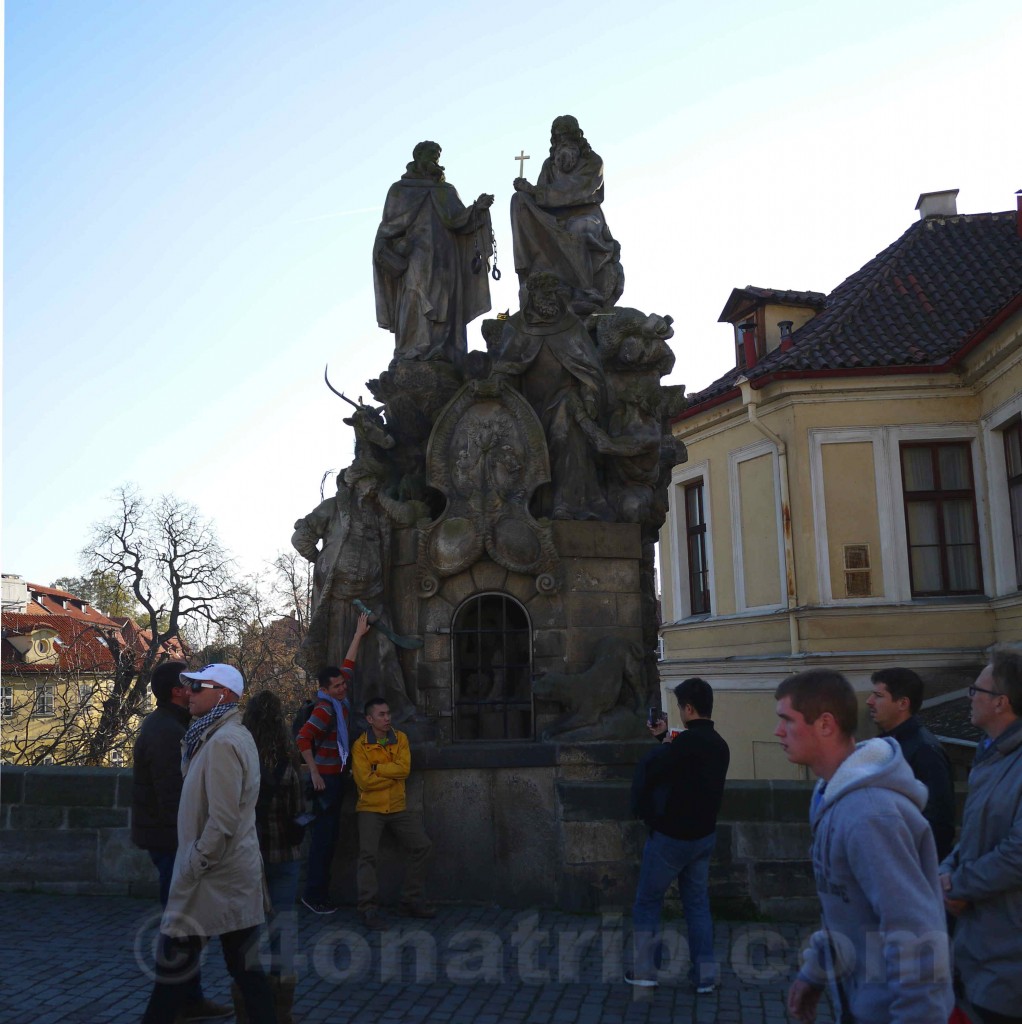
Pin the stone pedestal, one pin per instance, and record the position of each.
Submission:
(596, 594)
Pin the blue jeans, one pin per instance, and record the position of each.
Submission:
(163, 860)
(663, 860)
(282, 883)
(323, 838)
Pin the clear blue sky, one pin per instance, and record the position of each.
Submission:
(192, 191)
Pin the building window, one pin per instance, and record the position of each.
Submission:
(695, 532)
(84, 693)
(492, 670)
(117, 758)
(940, 518)
(43, 701)
(1013, 461)
(7, 701)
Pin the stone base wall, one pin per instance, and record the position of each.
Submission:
(517, 825)
(598, 594)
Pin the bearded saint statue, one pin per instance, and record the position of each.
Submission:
(558, 225)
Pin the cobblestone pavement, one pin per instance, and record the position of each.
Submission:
(85, 960)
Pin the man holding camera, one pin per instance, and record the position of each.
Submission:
(678, 790)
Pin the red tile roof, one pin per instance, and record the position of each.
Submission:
(80, 647)
(916, 305)
(60, 602)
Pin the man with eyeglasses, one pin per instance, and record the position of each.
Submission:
(217, 886)
(982, 877)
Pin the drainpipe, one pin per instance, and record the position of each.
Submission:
(751, 402)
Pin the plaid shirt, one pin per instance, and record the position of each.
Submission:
(280, 799)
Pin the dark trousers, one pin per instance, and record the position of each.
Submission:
(177, 961)
(323, 837)
(163, 860)
(993, 1017)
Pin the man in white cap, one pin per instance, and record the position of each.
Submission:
(217, 886)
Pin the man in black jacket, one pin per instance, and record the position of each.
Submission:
(156, 793)
(678, 790)
(896, 698)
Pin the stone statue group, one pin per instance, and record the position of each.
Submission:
(562, 418)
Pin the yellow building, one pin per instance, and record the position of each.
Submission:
(852, 497)
(60, 660)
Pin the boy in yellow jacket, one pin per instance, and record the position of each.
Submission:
(381, 761)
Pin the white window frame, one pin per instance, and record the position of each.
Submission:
(890, 501)
(48, 694)
(734, 461)
(937, 432)
(6, 701)
(688, 474)
(818, 437)
(1003, 580)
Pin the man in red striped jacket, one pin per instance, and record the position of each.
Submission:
(323, 744)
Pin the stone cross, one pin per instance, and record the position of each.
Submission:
(521, 158)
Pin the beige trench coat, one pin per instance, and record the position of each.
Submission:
(217, 885)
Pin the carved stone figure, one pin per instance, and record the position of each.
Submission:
(546, 348)
(604, 702)
(487, 455)
(427, 288)
(558, 224)
(353, 562)
(635, 355)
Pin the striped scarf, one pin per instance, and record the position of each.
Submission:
(198, 729)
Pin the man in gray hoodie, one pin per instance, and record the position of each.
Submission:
(883, 942)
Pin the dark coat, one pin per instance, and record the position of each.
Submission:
(678, 788)
(930, 765)
(156, 791)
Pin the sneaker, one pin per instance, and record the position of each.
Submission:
(319, 908)
(204, 1009)
(371, 919)
(631, 979)
(420, 910)
(707, 988)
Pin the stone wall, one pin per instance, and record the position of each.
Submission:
(516, 825)
(598, 595)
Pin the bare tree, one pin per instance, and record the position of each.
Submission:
(169, 558)
(262, 628)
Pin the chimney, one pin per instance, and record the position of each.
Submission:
(785, 328)
(1018, 216)
(748, 330)
(938, 204)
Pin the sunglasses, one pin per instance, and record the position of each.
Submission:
(198, 685)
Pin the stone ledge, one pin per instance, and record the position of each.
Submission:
(597, 540)
(82, 787)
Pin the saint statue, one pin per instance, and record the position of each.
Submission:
(354, 562)
(430, 262)
(558, 224)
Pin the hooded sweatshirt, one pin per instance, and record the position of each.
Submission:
(883, 944)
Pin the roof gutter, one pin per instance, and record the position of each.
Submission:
(751, 402)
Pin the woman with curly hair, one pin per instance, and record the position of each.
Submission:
(280, 838)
